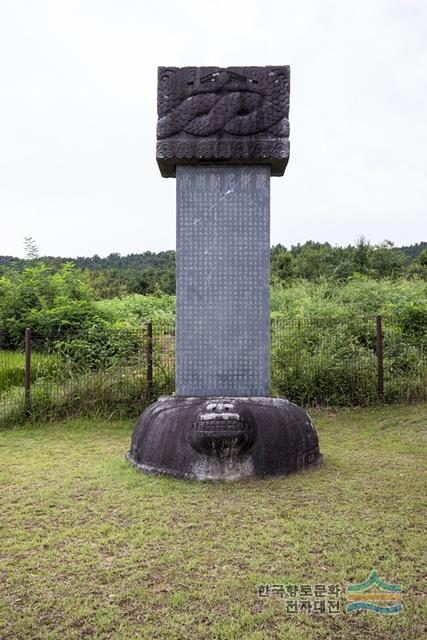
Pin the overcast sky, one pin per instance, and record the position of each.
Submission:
(78, 117)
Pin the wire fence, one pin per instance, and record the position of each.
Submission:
(58, 373)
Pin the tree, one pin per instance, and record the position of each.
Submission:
(386, 261)
(422, 258)
(282, 265)
(419, 266)
(361, 256)
(314, 260)
(31, 248)
(51, 303)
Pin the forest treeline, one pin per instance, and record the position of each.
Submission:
(154, 273)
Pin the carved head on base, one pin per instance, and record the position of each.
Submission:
(222, 430)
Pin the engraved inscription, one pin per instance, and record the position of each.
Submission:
(223, 250)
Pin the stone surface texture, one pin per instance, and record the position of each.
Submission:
(223, 277)
(224, 438)
(226, 115)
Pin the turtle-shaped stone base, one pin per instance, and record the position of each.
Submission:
(224, 438)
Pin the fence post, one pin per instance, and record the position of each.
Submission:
(149, 361)
(379, 354)
(27, 371)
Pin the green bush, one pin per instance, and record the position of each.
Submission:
(137, 309)
(323, 344)
(321, 363)
(118, 392)
(360, 297)
(43, 366)
(101, 347)
(50, 303)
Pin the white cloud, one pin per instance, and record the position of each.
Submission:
(78, 116)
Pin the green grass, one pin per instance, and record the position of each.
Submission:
(12, 367)
(91, 548)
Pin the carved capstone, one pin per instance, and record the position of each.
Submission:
(237, 115)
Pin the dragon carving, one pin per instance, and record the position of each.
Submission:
(233, 115)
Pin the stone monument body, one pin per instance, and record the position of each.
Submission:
(223, 133)
(223, 273)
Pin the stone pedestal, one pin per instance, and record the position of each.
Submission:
(222, 133)
(224, 438)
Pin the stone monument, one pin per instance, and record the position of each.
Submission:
(222, 133)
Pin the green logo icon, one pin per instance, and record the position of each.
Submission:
(374, 595)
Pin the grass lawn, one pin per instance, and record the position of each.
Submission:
(92, 548)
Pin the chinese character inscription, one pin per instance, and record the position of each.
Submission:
(223, 255)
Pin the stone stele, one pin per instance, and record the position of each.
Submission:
(223, 133)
